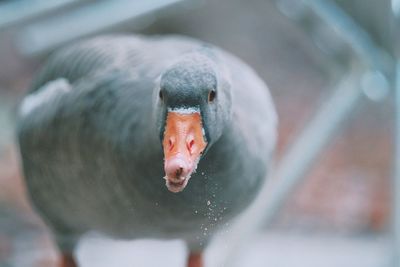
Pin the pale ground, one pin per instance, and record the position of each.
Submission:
(274, 249)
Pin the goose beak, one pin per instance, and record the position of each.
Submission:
(183, 144)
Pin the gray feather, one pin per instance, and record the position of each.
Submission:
(92, 156)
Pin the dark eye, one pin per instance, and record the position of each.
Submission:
(161, 95)
(211, 95)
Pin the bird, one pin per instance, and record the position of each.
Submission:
(135, 136)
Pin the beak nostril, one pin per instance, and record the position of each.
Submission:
(190, 145)
(170, 144)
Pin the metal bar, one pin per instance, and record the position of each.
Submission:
(313, 139)
(45, 35)
(353, 34)
(17, 11)
(396, 161)
(396, 176)
(396, 7)
(295, 163)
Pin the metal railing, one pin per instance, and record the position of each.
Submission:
(40, 26)
(396, 177)
(370, 74)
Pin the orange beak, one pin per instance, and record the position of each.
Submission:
(183, 144)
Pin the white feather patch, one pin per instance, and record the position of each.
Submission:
(44, 95)
(185, 110)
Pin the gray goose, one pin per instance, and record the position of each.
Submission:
(144, 137)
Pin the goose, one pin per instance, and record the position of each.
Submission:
(131, 136)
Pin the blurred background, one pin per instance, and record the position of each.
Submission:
(330, 68)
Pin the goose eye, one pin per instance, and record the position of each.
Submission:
(161, 95)
(211, 96)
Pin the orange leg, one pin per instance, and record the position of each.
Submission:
(195, 259)
(67, 260)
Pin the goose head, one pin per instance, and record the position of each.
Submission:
(193, 106)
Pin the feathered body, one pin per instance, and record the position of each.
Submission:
(93, 159)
